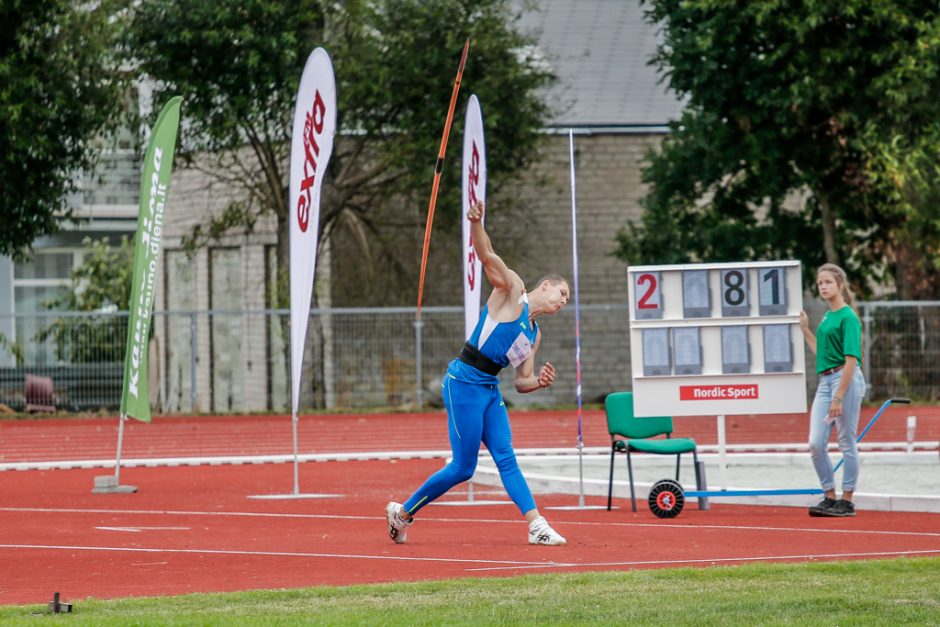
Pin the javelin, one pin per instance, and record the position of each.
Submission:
(437, 175)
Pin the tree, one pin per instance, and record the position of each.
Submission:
(237, 67)
(60, 88)
(101, 284)
(795, 136)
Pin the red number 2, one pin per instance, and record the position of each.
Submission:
(644, 303)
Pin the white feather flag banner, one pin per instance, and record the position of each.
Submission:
(311, 147)
(474, 189)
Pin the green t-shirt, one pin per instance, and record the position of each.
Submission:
(838, 335)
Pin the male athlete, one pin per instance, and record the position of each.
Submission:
(505, 335)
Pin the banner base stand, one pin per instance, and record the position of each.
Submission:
(108, 484)
(295, 496)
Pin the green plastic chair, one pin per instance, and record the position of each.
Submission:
(629, 433)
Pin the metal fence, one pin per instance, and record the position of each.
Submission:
(238, 361)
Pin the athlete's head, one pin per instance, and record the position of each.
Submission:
(552, 292)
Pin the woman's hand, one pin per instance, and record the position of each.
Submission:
(835, 408)
(807, 334)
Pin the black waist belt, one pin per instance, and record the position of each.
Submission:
(471, 355)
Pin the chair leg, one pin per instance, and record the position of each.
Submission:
(678, 460)
(630, 472)
(610, 484)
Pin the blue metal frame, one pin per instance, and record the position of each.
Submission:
(797, 491)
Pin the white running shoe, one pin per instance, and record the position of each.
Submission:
(540, 532)
(397, 526)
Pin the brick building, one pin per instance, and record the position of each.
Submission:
(616, 109)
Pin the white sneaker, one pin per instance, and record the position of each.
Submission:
(397, 526)
(540, 532)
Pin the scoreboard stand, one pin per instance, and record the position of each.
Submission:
(717, 339)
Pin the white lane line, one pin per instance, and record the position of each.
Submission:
(718, 560)
(138, 529)
(630, 525)
(222, 460)
(492, 565)
(117, 549)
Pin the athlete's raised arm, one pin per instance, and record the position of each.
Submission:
(499, 274)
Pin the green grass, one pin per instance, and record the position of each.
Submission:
(878, 592)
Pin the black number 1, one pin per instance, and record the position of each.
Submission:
(774, 277)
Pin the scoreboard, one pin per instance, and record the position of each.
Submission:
(717, 338)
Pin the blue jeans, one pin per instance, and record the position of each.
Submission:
(847, 424)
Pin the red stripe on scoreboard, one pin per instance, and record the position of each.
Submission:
(743, 392)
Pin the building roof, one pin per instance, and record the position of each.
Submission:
(600, 51)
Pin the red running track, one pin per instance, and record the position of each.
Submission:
(96, 438)
(194, 529)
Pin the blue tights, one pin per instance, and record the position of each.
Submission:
(475, 414)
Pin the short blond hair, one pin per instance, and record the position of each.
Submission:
(554, 279)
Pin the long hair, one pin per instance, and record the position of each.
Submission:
(843, 282)
(847, 295)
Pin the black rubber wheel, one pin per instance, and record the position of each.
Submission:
(666, 499)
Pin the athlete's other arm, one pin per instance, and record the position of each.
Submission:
(525, 379)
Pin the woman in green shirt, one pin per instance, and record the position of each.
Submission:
(838, 348)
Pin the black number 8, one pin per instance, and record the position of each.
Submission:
(734, 295)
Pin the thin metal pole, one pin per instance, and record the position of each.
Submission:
(192, 362)
(419, 374)
(866, 348)
(577, 318)
(117, 462)
(871, 423)
(722, 454)
(296, 457)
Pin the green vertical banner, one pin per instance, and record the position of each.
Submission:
(154, 185)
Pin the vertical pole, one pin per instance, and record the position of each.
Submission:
(866, 343)
(701, 484)
(117, 462)
(419, 375)
(577, 318)
(580, 474)
(722, 456)
(911, 433)
(296, 462)
(192, 361)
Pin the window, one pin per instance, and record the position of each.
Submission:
(35, 283)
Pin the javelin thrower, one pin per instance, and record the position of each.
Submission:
(505, 335)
